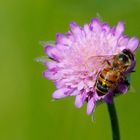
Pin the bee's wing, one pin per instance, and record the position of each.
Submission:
(103, 59)
(104, 55)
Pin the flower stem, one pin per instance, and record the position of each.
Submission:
(114, 121)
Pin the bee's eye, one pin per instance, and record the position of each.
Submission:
(123, 58)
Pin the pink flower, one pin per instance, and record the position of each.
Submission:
(75, 63)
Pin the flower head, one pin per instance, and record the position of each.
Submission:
(78, 56)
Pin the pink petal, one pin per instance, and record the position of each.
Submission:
(74, 93)
(51, 64)
(133, 44)
(95, 25)
(50, 75)
(90, 106)
(106, 27)
(78, 101)
(75, 28)
(123, 41)
(60, 93)
(59, 84)
(119, 29)
(109, 98)
(62, 39)
(86, 29)
(52, 52)
(70, 36)
(81, 85)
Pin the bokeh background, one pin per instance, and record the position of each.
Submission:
(26, 108)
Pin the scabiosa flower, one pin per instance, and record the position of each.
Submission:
(74, 62)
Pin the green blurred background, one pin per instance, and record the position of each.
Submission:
(26, 108)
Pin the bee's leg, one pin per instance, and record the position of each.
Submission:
(106, 61)
(126, 80)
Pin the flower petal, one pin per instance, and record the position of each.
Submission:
(90, 106)
(75, 28)
(109, 98)
(60, 93)
(75, 93)
(87, 29)
(81, 85)
(133, 44)
(119, 29)
(51, 64)
(62, 39)
(123, 41)
(123, 88)
(51, 74)
(52, 52)
(78, 101)
(75, 62)
(95, 25)
(106, 27)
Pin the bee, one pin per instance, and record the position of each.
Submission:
(113, 72)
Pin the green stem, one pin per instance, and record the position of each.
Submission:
(114, 121)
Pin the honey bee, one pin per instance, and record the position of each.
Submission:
(113, 72)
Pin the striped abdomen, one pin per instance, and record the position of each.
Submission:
(106, 81)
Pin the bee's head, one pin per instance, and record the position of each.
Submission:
(129, 54)
(125, 57)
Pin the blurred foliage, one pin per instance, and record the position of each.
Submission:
(26, 109)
